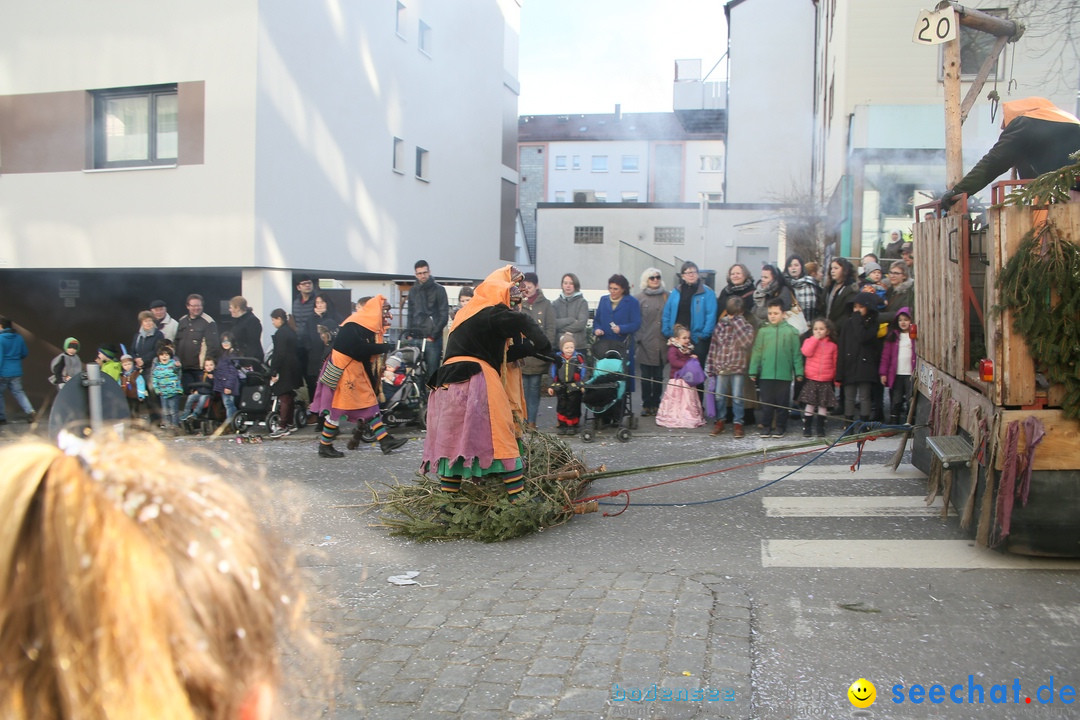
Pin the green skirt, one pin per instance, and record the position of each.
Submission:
(458, 468)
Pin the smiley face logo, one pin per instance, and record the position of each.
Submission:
(862, 693)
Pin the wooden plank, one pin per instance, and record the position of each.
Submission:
(1017, 368)
(969, 398)
(1060, 448)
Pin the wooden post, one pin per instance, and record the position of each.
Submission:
(954, 153)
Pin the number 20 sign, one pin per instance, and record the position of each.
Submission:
(935, 27)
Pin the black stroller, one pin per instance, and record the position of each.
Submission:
(606, 396)
(257, 406)
(404, 401)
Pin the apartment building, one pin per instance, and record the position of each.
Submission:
(153, 150)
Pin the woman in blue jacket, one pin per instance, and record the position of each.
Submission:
(693, 305)
(618, 317)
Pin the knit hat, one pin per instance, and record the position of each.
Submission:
(125, 356)
(866, 299)
(870, 266)
(567, 337)
(109, 351)
(71, 343)
(906, 247)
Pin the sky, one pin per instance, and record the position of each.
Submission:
(584, 56)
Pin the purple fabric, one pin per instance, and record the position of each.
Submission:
(323, 402)
(459, 424)
(710, 396)
(1034, 432)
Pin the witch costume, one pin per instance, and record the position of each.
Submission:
(471, 426)
(357, 345)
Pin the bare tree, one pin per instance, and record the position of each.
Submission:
(804, 219)
(1052, 30)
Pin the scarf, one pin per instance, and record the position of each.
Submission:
(654, 291)
(763, 293)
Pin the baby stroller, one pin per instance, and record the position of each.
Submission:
(402, 389)
(257, 406)
(606, 397)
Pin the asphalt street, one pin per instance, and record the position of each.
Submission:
(768, 605)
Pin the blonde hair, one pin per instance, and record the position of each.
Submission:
(133, 586)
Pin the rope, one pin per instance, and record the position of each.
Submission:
(858, 432)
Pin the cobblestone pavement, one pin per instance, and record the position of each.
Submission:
(547, 642)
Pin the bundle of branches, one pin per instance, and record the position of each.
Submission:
(1041, 286)
(1051, 187)
(554, 478)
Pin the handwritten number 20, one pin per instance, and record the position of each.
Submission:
(942, 29)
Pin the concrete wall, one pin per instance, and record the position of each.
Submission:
(713, 240)
(302, 103)
(770, 99)
(98, 218)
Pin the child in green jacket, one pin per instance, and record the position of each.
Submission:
(775, 360)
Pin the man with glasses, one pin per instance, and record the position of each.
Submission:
(196, 339)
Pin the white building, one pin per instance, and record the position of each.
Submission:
(152, 150)
(879, 136)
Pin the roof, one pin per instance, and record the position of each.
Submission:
(608, 126)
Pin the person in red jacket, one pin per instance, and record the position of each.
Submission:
(817, 392)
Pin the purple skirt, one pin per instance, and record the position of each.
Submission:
(459, 425)
(323, 403)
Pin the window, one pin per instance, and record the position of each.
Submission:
(976, 45)
(423, 38)
(576, 162)
(588, 234)
(669, 235)
(712, 163)
(421, 164)
(599, 163)
(399, 21)
(560, 162)
(714, 197)
(136, 127)
(629, 163)
(600, 196)
(399, 155)
(629, 197)
(560, 196)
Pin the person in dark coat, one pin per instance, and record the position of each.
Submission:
(740, 284)
(326, 316)
(840, 291)
(858, 356)
(246, 330)
(284, 370)
(1037, 137)
(196, 339)
(899, 294)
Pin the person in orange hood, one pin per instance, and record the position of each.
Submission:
(472, 430)
(1036, 138)
(359, 341)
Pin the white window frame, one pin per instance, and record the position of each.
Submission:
(599, 163)
(399, 20)
(398, 160)
(631, 163)
(104, 123)
(560, 162)
(423, 38)
(423, 170)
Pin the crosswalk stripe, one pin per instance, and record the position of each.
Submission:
(834, 472)
(852, 506)
(914, 554)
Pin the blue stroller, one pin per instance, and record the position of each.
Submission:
(606, 399)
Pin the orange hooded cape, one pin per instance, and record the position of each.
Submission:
(354, 390)
(1036, 108)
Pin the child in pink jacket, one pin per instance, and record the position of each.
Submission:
(817, 392)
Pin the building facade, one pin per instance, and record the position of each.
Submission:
(156, 150)
(879, 134)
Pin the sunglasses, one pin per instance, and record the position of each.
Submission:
(654, 277)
